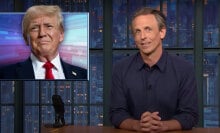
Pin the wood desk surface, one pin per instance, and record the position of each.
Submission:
(105, 129)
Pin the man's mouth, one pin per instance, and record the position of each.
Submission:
(146, 43)
(43, 42)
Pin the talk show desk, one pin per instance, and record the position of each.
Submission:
(105, 129)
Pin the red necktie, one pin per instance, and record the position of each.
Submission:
(48, 66)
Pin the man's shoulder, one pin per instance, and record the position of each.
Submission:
(14, 65)
(73, 71)
(179, 60)
(126, 64)
(10, 67)
(12, 70)
(180, 63)
(125, 61)
(70, 66)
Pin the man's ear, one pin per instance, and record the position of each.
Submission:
(61, 36)
(163, 33)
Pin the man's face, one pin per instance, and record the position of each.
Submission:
(45, 36)
(147, 35)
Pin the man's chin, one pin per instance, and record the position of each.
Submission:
(147, 52)
(45, 54)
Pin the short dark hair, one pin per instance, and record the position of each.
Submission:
(160, 17)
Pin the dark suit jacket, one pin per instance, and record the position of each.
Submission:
(24, 70)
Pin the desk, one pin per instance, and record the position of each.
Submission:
(96, 129)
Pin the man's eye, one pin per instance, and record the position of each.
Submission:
(148, 29)
(137, 32)
(49, 26)
(34, 28)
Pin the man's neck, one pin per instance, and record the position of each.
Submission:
(46, 58)
(152, 59)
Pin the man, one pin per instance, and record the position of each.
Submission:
(43, 31)
(153, 91)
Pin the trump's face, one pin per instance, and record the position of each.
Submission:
(45, 36)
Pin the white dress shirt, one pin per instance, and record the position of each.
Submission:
(39, 70)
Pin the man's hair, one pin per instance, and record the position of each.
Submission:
(160, 17)
(38, 10)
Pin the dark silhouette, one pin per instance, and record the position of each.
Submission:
(59, 111)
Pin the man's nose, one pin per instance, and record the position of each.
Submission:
(42, 31)
(143, 35)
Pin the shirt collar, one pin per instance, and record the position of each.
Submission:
(161, 64)
(38, 64)
(140, 62)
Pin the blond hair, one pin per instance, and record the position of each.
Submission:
(38, 10)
